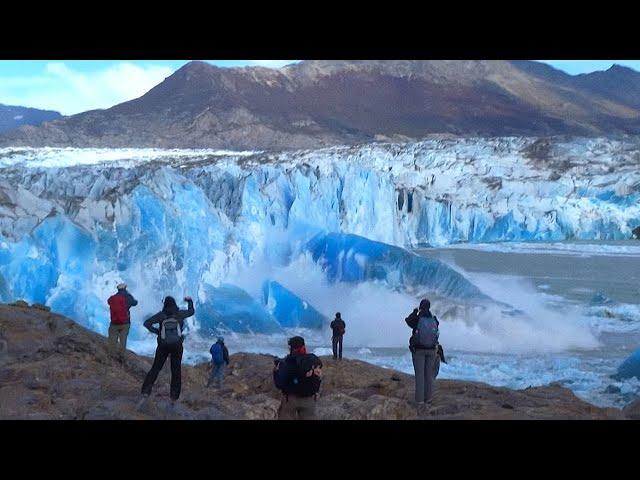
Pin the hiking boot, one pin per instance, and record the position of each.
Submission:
(424, 409)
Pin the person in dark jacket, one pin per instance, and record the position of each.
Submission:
(298, 377)
(119, 305)
(425, 360)
(338, 327)
(217, 368)
(169, 310)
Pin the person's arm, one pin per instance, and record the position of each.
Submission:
(151, 321)
(332, 324)
(412, 319)
(182, 314)
(132, 301)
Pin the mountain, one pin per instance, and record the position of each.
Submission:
(325, 102)
(12, 117)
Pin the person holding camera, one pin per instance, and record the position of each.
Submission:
(298, 377)
(423, 345)
(170, 328)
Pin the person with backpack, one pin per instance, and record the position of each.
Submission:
(170, 330)
(338, 327)
(298, 376)
(219, 358)
(423, 345)
(119, 305)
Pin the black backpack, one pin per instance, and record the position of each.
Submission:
(302, 376)
(170, 332)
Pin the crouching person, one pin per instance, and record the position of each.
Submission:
(298, 376)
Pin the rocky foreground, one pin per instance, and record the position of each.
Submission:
(52, 368)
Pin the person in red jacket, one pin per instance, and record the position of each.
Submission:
(119, 305)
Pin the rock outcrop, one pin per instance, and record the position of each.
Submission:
(52, 368)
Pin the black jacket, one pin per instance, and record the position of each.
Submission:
(159, 317)
(287, 369)
(335, 326)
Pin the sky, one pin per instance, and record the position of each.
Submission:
(74, 86)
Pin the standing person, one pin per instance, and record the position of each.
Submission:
(423, 345)
(119, 305)
(338, 326)
(219, 358)
(298, 376)
(170, 323)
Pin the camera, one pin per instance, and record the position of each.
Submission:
(276, 361)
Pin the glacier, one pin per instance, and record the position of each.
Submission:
(289, 309)
(74, 222)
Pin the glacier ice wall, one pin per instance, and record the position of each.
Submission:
(75, 221)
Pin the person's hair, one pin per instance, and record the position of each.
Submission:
(338, 315)
(425, 305)
(296, 342)
(170, 306)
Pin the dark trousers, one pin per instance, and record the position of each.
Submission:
(162, 352)
(336, 343)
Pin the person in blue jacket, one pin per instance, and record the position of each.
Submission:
(219, 358)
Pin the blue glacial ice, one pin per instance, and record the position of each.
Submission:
(353, 259)
(230, 308)
(290, 310)
(630, 367)
(74, 222)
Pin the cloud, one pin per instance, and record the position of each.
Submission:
(70, 91)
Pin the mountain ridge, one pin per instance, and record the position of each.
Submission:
(320, 103)
(14, 116)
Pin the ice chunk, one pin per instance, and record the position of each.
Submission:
(353, 259)
(290, 310)
(230, 308)
(630, 367)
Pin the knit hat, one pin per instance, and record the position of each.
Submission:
(425, 304)
(296, 342)
(121, 286)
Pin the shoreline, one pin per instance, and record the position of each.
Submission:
(54, 368)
